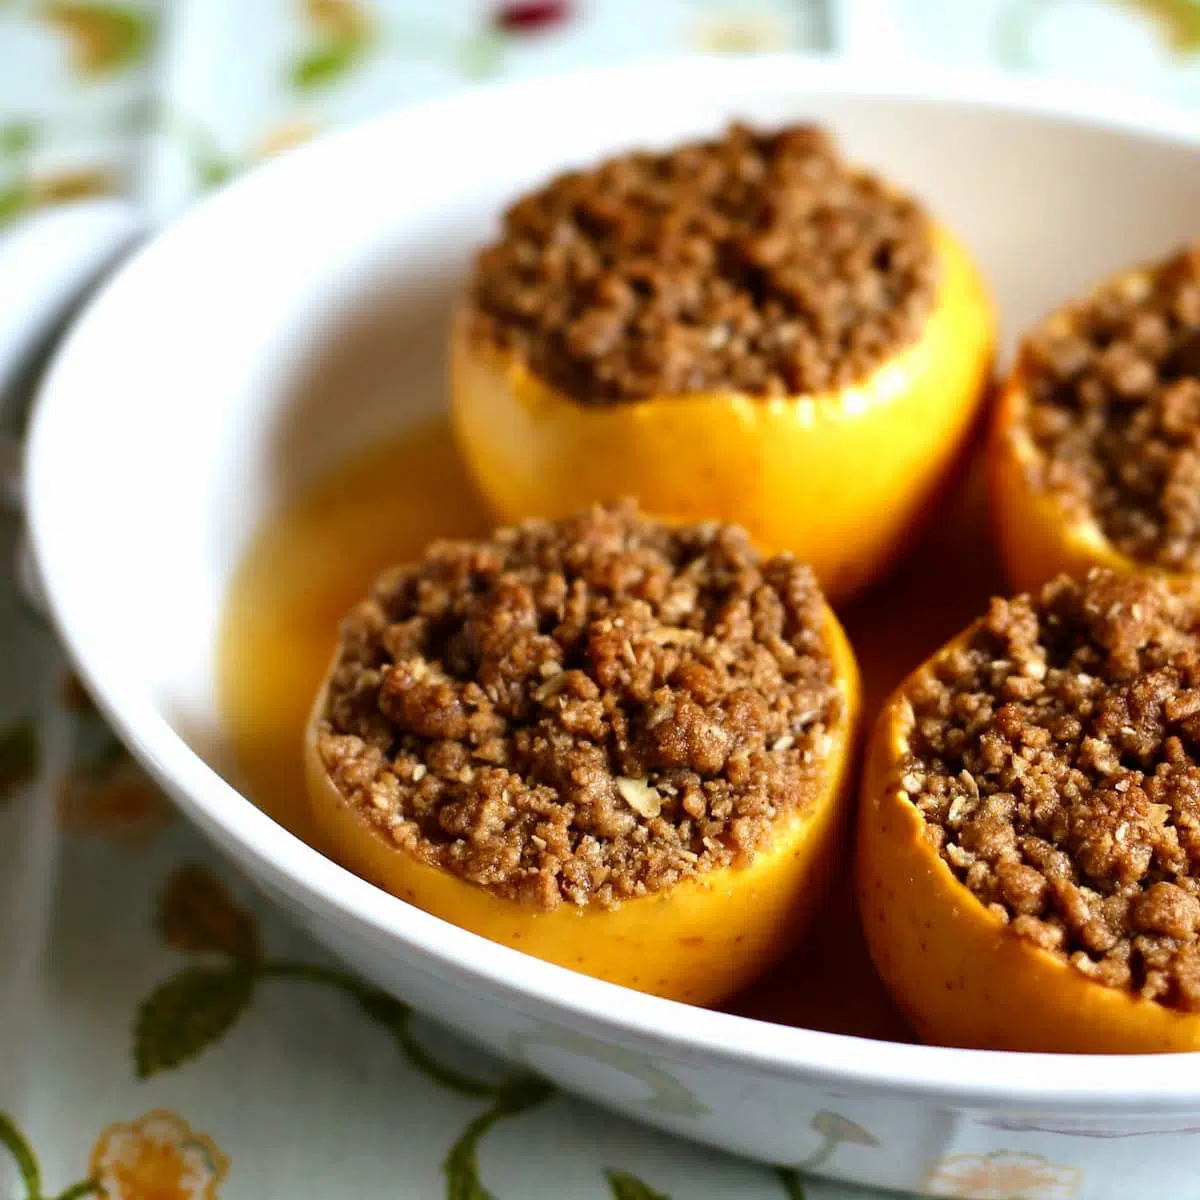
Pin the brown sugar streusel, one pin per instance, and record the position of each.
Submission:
(584, 711)
(1056, 760)
(1115, 391)
(757, 262)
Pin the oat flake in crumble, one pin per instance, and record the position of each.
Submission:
(584, 711)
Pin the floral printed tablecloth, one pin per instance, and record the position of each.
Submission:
(163, 1034)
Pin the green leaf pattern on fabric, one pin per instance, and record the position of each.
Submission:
(480, 55)
(22, 1153)
(190, 1012)
(79, 1190)
(16, 138)
(326, 63)
(210, 164)
(461, 1165)
(343, 32)
(14, 199)
(629, 1187)
(28, 1169)
(790, 1180)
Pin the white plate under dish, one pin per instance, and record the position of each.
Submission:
(182, 409)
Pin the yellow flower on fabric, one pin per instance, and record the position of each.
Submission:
(284, 136)
(735, 33)
(1001, 1175)
(157, 1157)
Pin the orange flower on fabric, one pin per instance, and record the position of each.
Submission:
(102, 37)
(198, 915)
(157, 1157)
(285, 136)
(122, 805)
(338, 19)
(1001, 1175)
(61, 186)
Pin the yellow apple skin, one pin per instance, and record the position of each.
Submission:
(844, 480)
(1037, 536)
(699, 941)
(955, 969)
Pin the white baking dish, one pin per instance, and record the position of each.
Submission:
(173, 421)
